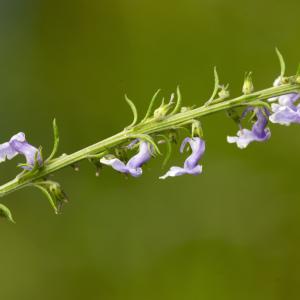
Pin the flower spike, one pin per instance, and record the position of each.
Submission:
(161, 124)
(191, 165)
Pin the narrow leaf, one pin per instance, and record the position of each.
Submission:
(169, 149)
(281, 62)
(216, 87)
(179, 101)
(134, 111)
(151, 105)
(56, 140)
(5, 213)
(49, 197)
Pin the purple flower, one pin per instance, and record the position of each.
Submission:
(258, 133)
(19, 145)
(191, 165)
(133, 167)
(285, 111)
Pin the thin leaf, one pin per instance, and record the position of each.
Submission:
(281, 62)
(179, 101)
(216, 87)
(151, 105)
(49, 197)
(134, 111)
(5, 213)
(169, 149)
(56, 140)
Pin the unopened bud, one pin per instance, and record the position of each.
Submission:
(162, 111)
(185, 109)
(248, 84)
(224, 93)
(197, 129)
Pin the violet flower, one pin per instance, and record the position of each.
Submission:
(19, 145)
(191, 165)
(285, 111)
(258, 133)
(133, 166)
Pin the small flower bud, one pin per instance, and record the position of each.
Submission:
(185, 109)
(197, 129)
(163, 110)
(224, 93)
(248, 84)
(58, 196)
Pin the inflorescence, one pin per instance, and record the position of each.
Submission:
(278, 104)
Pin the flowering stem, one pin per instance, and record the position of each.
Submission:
(146, 127)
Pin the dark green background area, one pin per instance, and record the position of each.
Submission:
(230, 233)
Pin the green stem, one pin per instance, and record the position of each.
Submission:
(148, 127)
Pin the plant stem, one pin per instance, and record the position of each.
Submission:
(148, 127)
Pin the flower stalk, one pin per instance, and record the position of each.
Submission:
(278, 104)
(147, 127)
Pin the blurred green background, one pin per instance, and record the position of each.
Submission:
(231, 233)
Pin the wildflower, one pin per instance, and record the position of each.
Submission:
(258, 133)
(19, 145)
(133, 166)
(285, 111)
(191, 165)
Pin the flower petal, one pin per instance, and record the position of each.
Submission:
(115, 163)
(284, 115)
(174, 171)
(191, 165)
(20, 145)
(288, 99)
(258, 133)
(141, 157)
(198, 148)
(7, 152)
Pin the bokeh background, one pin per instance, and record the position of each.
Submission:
(231, 233)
